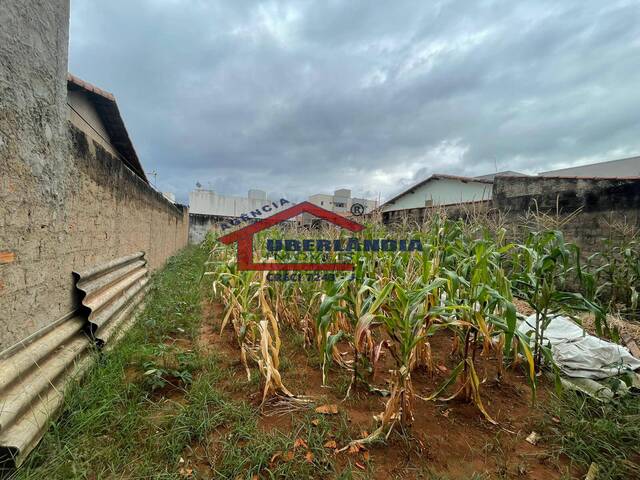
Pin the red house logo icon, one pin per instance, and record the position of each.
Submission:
(244, 237)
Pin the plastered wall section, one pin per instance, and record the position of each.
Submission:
(590, 211)
(107, 212)
(440, 192)
(200, 225)
(34, 38)
(65, 204)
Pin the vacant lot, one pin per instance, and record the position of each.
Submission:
(173, 400)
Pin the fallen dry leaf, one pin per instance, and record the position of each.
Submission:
(364, 434)
(355, 448)
(309, 457)
(360, 466)
(300, 443)
(592, 473)
(365, 456)
(186, 472)
(315, 422)
(331, 444)
(288, 455)
(331, 409)
(442, 368)
(533, 438)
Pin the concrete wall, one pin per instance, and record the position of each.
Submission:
(441, 192)
(207, 202)
(585, 209)
(65, 202)
(566, 195)
(322, 200)
(369, 205)
(34, 37)
(328, 201)
(200, 224)
(588, 210)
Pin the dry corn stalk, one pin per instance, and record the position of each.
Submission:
(399, 407)
(267, 362)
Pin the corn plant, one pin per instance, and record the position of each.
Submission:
(404, 319)
(591, 279)
(461, 284)
(364, 308)
(254, 322)
(477, 307)
(541, 268)
(622, 274)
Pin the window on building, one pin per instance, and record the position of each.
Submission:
(321, 202)
(340, 204)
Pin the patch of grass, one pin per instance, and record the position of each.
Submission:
(608, 434)
(112, 426)
(298, 454)
(341, 383)
(150, 407)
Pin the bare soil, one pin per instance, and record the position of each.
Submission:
(451, 438)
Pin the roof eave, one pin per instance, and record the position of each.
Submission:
(107, 107)
(436, 176)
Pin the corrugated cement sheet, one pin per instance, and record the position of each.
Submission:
(34, 374)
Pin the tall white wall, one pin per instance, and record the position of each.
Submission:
(208, 202)
(442, 192)
(322, 200)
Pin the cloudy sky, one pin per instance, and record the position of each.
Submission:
(301, 97)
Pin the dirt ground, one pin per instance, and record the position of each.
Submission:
(449, 438)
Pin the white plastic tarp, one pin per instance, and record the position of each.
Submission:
(579, 354)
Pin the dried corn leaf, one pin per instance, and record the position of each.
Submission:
(329, 409)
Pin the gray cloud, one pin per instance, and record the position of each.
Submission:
(300, 97)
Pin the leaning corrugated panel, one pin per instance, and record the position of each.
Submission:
(109, 289)
(31, 385)
(33, 375)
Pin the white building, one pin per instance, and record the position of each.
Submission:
(341, 201)
(625, 167)
(439, 190)
(208, 202)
